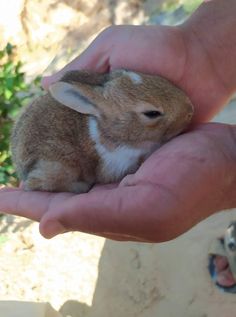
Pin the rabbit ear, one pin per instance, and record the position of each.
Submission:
(72, 97)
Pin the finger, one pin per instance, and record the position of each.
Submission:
(95, 58)
(104, 212)
(31, 205)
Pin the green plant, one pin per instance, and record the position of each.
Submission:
(191, 5)
(188, 5)
(14, 93)
(3, 239)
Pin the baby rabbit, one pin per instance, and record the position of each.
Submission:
(95, 128)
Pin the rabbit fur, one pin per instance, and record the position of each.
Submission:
(95, 128)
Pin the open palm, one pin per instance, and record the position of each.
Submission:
(173, 190)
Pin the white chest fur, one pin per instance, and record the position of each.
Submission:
(120, 161)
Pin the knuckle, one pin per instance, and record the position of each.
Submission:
(111, 30)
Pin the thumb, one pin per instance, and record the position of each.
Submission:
(92, 212)
(115, 211)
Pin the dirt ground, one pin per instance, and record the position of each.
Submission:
(40, 270)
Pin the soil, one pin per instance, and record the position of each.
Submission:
(39, 270)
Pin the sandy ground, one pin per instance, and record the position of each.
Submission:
(82, 275)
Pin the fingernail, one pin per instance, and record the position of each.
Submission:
(52, 229)
(45, 82)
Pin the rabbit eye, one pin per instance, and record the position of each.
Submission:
(152, 114)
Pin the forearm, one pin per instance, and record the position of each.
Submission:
(221, 166)
(211, 53)
(214, 23)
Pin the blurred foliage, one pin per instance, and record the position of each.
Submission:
(3, 239)
(14, 94)
(191, 5)
(188, 5)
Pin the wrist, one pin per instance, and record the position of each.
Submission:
(225, 174)
(214, 26)
(210, 42)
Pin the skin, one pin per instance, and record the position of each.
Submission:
(191, 177)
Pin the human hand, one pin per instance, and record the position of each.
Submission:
(174, 189)
(172, 52)
(184, 181)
